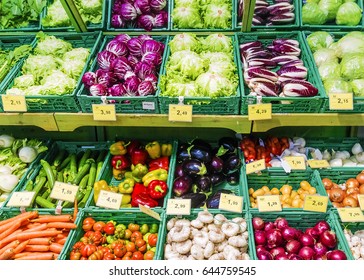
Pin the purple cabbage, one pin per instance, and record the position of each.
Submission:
(146, 22)
(145, 88)
(157, 5)
(104, 59)
(105, 77)
(118, 48)
(152, 46)
(117, 21)
(116, 90)
(128, 12)
(142, 6)
(98, 90)
(142, 69)
(89, 79)
(131, 85)
(152, 58)
(122, 38)
(135, 46)
(120, 66)
(161, 19)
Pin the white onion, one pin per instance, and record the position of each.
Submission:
(336, 162)
(356, 149)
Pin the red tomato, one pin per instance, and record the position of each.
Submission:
(109, 228)
(137, 256)
(88, 223)
(152, 239)
(88, 250)
(109, 256)
(99, 226)
(119, 250)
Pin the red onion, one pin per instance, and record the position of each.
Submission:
(322, 226)
(313, 232)
(319, 249)
(328, 239)
(307, 240)
(281, 257)
(274, 238)
(268, 226)
(277, 251)
(294, 257)
(293, 246)
(298, 233)
(320, 258)
(264, 255)
(259, 237)
(336, 255)
(281, 223)
(306, 253)
(258, 223)
(289, 233)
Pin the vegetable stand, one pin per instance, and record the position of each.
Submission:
(77, 125)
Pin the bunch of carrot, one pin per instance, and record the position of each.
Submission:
(31, 236)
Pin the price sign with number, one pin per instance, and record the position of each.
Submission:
(64, 192)
(296, 162)
(269, 203)
(109, 200)
(232, 203)
(315, 163)
(104, 112)
(361, 201)
(178, 207)
(341, 101)
(315, 203)
(353, 214)
(180, 113)
(21, 199)
(14, 103)
(149, 212)
(255, 166)
(258, 112)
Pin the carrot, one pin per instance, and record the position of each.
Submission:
(5, 227)
(36, 228)
(55, 248)
(28, 235)
(62, 235)
(53, 218)
(75, 211)
(10, 245)
(22, 216)
(32, 225)
(36, 248)
(61, 241)
(9, 253)
(38, 256)
(10, 230)
(21, 247)
(40, 241)
(62, 225)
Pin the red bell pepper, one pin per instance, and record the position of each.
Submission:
(157, 189)
(133, 144)
(143, 199)
(162, 162)
(120, 162)
(139, 188)
(139, 155)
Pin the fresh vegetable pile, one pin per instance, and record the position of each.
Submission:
(340, 63)
(355, 239)
(15, 157)
(207, 237)
(211, 14)
(200, 67)
(331, 11)
(53, 68)
(203, 172)
(111, 240)
(277, 240)
(90, 11)
(34, 236)
(126, 67)
(146, 14)
(277, 13)
(16, 14)
(276, 69)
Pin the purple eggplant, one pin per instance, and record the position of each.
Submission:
(284, 59)
(178, 171)
(197, 199)
(182, 185)
(216, 165)
(258, 72)
(182, 152)
(263, 62)
(294, 72)
(300, 89)
(282, 18)
(264, 87)
(201, 153)
(213, 200)
(246, 46)
(194, 167)
(233, 178)
(232, 164)
(203, 183)
(201, 143)
(230, 144)
(217, 179)
(287, 49)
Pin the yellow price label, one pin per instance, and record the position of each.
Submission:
(180, 113)
(231, 203)
(104, 112)
(318, 163)
(296, 162)
(21, 199)
(341, 101)
(353, 214)
(109, 200)
(14, 103)
(269, 203)
(258, 112)
(255, 166)
(315, 203)
(64, 192)
(178, 207)
(361, 201)
(149, 212)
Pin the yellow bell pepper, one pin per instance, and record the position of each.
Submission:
(118, 174)
(126, 186)
(125, 199)
(157, 174)
(153, 149)
(166, 149)
(118, 148)
(99, 186)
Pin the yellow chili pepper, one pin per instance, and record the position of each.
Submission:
(98, 186)
(118, 148)
(157, 174)
(126, 186)
(166, 149)
(153, 149)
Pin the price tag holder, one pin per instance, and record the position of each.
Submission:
(109, 200)
(361, 201)
(315, 163)
(255, 166)
(269, 203)
(341, 101)
(104, 112)
(149, 212)
(258, 112)
(14, 103)
(231, 203)
(21, 199)
(353, 214)
(315, 203)
(64, 192)
(180, 113)
(178, 207)
(296, 162)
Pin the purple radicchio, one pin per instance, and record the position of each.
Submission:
(118, 48)
(135, 46)
(146, 22)
(131, 85)
(98, 90)
(116, 90)
(128, 12)
(120, 66)
(142, 69)
(105, 77)
(152, 46)
(142, 6)
(157, 5)
(104, 59)
(117, 21)
(152, 58)
(145, 88)
(161, 19)
(89, 79)
(122, 38)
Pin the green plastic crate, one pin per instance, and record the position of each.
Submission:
(283, 27)
(204, 105)
(358, 102)
(330, 25)
(278, 178)
(89, 26)
(68, 102)
(134, 27)
(10, 43)
(120, 216)
(230, 28)
(9, 213)
(229, 215)
(282, 104)
(69, 147)
(135, 104)
(302, 220)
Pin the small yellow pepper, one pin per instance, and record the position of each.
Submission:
(99, 186)
(153, 149)
(157, 174)
(126, 186)
(166, 149)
